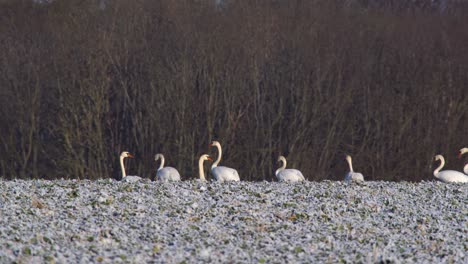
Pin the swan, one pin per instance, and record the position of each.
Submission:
(351, 175)
(460, 154)
(123, 155)
(448, 175)
(201, 171)
(166, 173)
(288, 175)
(222, 173)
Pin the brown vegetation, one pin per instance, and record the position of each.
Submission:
(308, 79)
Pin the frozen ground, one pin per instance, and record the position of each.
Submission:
(111, 222)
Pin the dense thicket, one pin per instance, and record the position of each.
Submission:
(81, 81)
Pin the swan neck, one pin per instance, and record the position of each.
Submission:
(162, 163)
(201, 171)
(465, 169)
(122, 167)
(442, 163)
(350, 163)
(278, 171)
(282, 167)
(220, 153)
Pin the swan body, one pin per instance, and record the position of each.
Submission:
(125, 178)
(460, 154)
(352, 176)
(166, 173)
(288, 175)
(222, 173)
(448, 175)
(201, 171)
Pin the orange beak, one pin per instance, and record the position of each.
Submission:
(210, 145)
(209, 158)
(459, 154)
(130, 155)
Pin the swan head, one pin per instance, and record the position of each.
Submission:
(281, 159)
(348, 158)
(158, 156)
(126, 154)
(438, 157)
(462, 151)
(215, 143)
(205, 157)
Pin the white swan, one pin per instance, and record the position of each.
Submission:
(448, 175)
(166, 173)
(123, 155)
(460, 154)
(351, 175)
(288, 175)
(201, 171)
(222, 173)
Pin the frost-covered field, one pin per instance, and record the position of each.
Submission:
(108, 221)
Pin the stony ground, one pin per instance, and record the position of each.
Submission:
(107, 221)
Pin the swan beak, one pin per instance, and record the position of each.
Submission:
(130, 155)
(210, 145)
(209, 158)
(459, 155)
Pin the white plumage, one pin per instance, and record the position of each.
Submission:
(166, 173)
(460, 154)
(201, 171)
(352, 176)
(222, 173)
(288, 175)
(125, 178)
(448, 175)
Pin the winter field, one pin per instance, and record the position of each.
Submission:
(186, 222)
